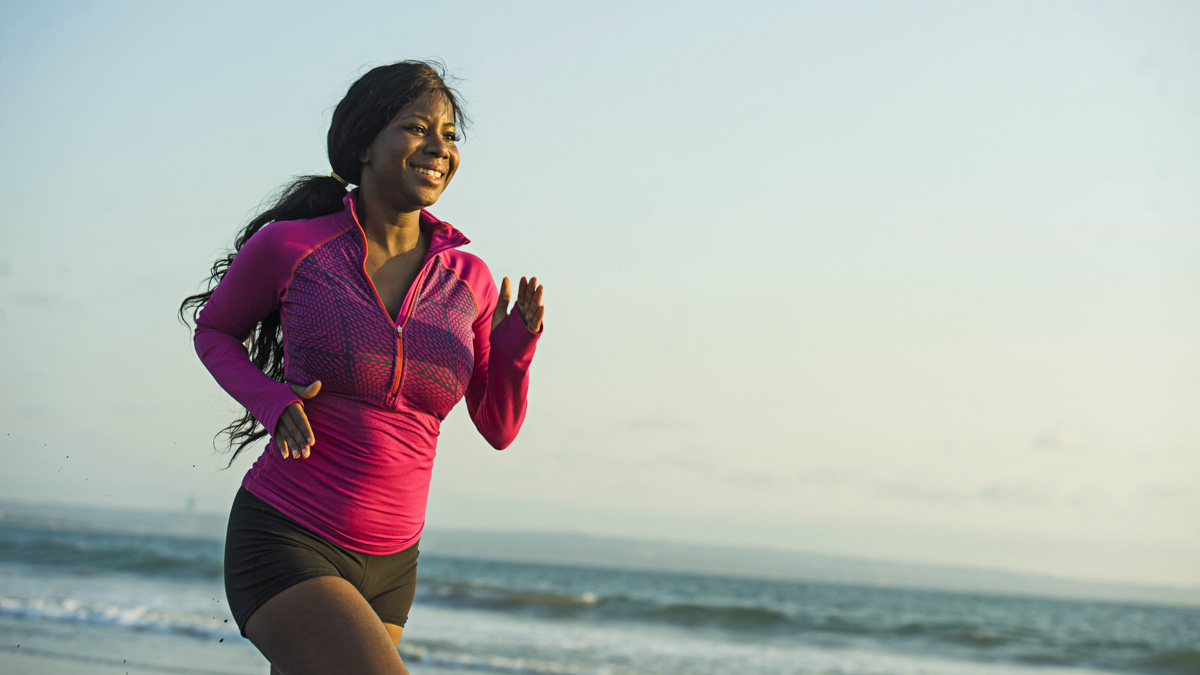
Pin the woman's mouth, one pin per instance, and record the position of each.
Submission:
(428, 172)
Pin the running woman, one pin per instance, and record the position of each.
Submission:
(348, 324)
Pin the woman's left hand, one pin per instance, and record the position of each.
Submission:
(529, 304)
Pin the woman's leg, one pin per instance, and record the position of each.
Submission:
(394, 632)
(322, 626)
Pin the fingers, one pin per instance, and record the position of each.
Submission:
(536, 326)
(302, 427)
(522, 299)
(505, 294)
(307, 392)
(536, 300)
(293, 434)
(501, 310)
(529, 303)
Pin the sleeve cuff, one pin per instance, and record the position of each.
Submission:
(275, 410)
(513, 337)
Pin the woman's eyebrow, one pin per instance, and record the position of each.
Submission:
(423, 118)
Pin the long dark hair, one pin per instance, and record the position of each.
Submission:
(371, 102)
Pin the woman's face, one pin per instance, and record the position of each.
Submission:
(414, 157)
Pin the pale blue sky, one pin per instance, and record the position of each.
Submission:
(907, 280)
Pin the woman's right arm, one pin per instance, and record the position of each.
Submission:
(250, 291)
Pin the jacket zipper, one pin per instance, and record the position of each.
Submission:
(400, 333)
(399, 329)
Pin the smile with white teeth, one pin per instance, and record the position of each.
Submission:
(428, 172)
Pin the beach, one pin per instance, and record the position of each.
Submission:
(67, 648)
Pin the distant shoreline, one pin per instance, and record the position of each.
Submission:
(609, 552)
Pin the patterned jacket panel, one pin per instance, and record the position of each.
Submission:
(438, 342)
(335, 329)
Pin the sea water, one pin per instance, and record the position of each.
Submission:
(155, 604)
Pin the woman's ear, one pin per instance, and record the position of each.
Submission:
(365, 157)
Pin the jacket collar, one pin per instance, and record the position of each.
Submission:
(442, 235)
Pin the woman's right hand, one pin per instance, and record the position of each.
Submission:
(293, 435)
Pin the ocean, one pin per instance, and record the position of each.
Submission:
(79, 600)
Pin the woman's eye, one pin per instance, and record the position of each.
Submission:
(451, 137)
(416, 129)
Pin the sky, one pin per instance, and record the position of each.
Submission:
(912, 281)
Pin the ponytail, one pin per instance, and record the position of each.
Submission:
(306, 197)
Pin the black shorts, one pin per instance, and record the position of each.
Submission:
(266, 553)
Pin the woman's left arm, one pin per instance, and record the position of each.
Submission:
(504, 346)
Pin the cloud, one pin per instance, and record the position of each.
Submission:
(843, 476)
(42, 299)
(706, 462)
(659, 424)
(996, 493)
(921, 494)
(1008, 493)
(34, 411)
(1064, 437)
(1169, 492)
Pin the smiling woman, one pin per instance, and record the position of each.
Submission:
(412, 160)
(389, 324)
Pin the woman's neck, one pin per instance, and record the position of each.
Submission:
(396, 232)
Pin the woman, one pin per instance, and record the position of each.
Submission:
(366, 324)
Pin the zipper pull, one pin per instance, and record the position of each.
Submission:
(399, 330)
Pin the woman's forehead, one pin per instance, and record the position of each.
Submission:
(434, 104)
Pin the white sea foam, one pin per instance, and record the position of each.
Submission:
(191, 608)
(505, 644)
(140, 617)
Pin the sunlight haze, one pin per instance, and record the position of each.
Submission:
(913, 281)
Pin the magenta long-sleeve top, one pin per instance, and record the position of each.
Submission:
(386, 385)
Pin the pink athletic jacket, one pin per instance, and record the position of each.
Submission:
(386, 385)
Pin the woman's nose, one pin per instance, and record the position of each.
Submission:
(437, 146)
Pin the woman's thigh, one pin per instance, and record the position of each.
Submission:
(323, 625)
(389, 584)
(266, 553)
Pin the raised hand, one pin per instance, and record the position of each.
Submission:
(293, 435)
(529, 304)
